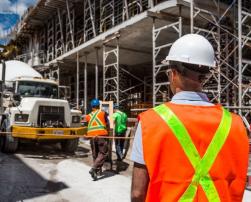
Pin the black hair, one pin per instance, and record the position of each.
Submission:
(190, 70)
(182, 67)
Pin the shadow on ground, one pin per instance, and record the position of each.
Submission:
(19, 182)
(50, 151)
(107, 174)
(114, 169)
(121, 166)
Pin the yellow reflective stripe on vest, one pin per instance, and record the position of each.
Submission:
(95, 118)
(96, 128)
(99, 126)
(201, 166)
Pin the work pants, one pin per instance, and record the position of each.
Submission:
(119, 145)
(99, 148)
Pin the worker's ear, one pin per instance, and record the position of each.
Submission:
(175, 72)
(172, 75)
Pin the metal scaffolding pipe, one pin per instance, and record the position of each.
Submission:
(61, 28)
(150, 3)
(180, 27)
(154, 62)
(92, 18)
(104, 69)
(239, 56)
(118, 70)
(96, 73)
(135, 77)
(85, 83)
(219, 54)
(70, 22)
(191, 16)
(77, 76)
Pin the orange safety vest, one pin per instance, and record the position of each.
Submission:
(169, 168)
(96, 124)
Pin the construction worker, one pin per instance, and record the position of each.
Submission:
(98, 126)
(120, 119)
(189, 149)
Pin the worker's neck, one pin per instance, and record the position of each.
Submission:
(177, 90)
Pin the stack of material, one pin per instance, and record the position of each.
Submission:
(138, 108)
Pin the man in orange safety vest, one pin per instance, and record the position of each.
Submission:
(189, 149)
(98, 126)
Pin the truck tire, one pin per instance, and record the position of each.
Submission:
(69, 146)
(9, 144)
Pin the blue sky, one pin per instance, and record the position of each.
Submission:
(10, 12)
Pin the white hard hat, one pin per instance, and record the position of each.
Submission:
(192, 49)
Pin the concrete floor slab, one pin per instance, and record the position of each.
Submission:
(47, 174)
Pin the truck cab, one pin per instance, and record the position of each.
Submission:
(34, 111)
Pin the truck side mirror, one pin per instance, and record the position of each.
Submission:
(17, 97)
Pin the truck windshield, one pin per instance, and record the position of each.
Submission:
(37, 89)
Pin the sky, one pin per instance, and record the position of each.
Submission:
(10, 12)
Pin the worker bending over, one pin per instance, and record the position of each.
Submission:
(189, 149)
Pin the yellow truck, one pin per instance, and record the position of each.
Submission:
(32, 110)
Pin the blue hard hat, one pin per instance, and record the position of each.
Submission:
(95, 103)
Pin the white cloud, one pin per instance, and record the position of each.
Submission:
(1, 30)
(4, 6)
(2, 34)
(18, 7)
(7, 7)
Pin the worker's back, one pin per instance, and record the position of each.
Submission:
(170, 169)
(120, 119)
(96, 123)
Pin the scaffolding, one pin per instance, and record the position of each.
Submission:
(59, 45)
(70, 20)
(161, 91)
(111, 69)
(50, 39)
(227, 83)
(89, 20)
(83, 26)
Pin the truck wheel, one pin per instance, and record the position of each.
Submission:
(9, 144)
(69, 146)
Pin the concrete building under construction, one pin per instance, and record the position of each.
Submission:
(112, 49)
